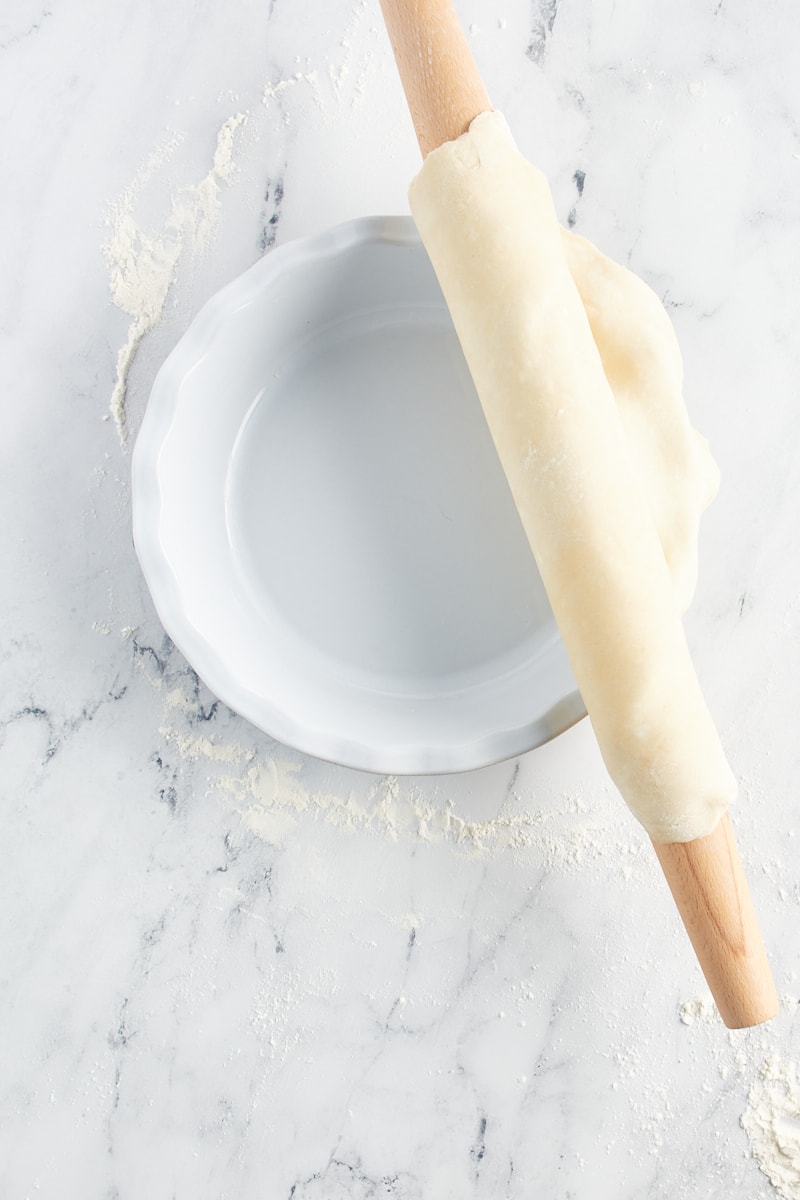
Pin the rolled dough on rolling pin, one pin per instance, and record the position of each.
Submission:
(579, 375)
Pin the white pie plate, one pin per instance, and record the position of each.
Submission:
(324, 525)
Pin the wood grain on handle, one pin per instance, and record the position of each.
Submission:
(709, 887)
(443, 86)
(445, 93)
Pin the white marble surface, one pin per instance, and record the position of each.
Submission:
(227, 970)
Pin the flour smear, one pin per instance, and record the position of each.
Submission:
(142, 265)
(272, 798)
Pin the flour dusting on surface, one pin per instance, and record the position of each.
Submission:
(271, 797)
(701, 1008)
(279, 796)
(142, 266)
(271, 790)
(190, 746)
(273, 90)
(747, 1060)
(772, 1124)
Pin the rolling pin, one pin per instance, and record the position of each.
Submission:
(445, 93)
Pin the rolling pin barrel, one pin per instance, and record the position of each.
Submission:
(442, 84)
(445, 93)
(708, 884)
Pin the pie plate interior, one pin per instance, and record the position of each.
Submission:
(324, 525)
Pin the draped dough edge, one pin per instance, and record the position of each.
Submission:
(577, 460)
(642, 363)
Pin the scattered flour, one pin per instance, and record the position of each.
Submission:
(285, 992)
(771, 1118)
(274, 797)
(270, 795)
(772, 1124)
(190, 746)
(142, 266)
(273, 90)
(702, 1008)
(343, 78)
(340, 84)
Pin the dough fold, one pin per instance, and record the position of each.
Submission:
(579, 375)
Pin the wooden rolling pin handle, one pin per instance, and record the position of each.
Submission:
(708, 883)
(442, 84)
(445, 93)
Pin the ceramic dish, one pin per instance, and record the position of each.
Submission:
(324, 525)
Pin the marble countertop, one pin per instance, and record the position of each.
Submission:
(232, 971)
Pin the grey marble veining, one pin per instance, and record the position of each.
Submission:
(227, 970)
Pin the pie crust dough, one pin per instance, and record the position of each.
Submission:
(579, 375)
